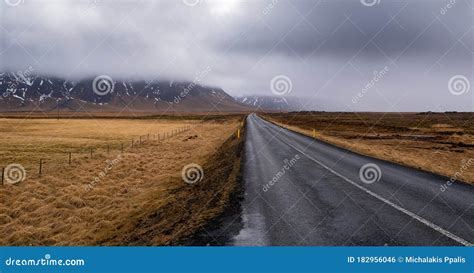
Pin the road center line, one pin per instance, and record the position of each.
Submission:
(393, 205)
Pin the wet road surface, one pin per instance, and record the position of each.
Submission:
(300, 191)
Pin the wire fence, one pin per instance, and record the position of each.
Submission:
(15, 173)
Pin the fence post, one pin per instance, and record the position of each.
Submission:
(41, 167)
(3, 175)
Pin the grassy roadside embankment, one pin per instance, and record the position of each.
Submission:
(189, 208)
(140, 200)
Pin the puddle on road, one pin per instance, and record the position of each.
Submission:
(253, 233)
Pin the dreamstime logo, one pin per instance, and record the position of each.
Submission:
(192, 173)
(102, 85)
(14, 3)
(102, 174)
(192, 3)
(199, 77)
(370, 173)
(447, 7)
(14, 173)
(47, 260)
(269, 7)
(377, 76)
(281, 85)
(20, 77)
(458, 85)
(370, 3)
(25, 76)
(466, 165)
(287, 166)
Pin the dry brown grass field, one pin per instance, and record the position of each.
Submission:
(127, 113)
(26, 141)
(438, 142)
(64, 207)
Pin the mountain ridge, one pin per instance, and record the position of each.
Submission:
(27, 92)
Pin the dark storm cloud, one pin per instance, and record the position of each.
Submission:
(335, 27)
(329, 49)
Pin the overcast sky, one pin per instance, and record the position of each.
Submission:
(379, 55)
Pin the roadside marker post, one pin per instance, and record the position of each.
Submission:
(314, 133)
(238, 134)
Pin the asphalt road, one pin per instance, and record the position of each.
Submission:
(299, 191)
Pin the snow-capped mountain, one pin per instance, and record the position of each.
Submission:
(24, 92)
(275, 103)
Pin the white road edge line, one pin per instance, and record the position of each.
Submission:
(395, 206)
